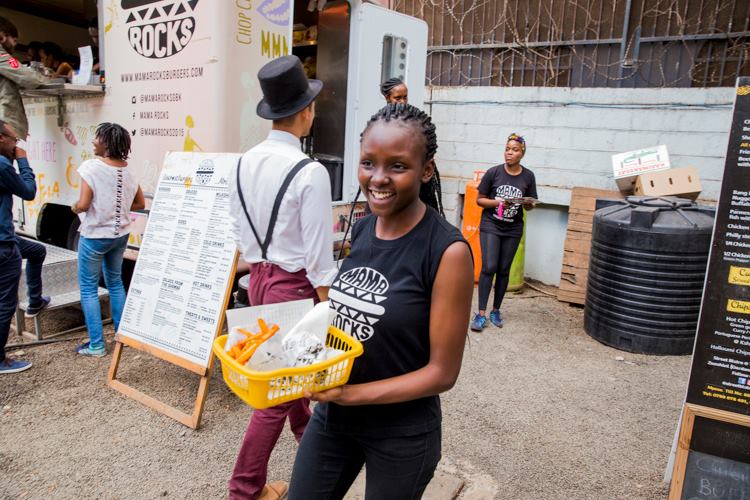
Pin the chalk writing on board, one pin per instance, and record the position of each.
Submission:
(709, 477)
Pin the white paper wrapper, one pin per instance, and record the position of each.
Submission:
(268, 356)
(307, 340)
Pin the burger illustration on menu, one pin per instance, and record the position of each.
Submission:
(356, 298)
(205, 172)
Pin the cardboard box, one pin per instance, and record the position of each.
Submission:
(626, 167)
(680, 182)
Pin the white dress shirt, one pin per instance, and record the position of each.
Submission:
(303, 236)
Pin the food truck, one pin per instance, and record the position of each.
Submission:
(180, 75)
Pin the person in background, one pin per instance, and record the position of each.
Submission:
(297, 262)
(387, 417)
(14, 77)
(33, 52)
(394, 90)
(52, 57)
(501, 226)
(108, 193)
(94, 34)
(20, 184)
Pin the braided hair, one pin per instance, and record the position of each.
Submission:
(116, 140)
(430, 192)
(390, 84)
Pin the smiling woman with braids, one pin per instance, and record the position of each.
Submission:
(405, 292)
(108, 193)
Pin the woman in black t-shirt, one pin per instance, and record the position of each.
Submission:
(405, 292)
(504, 191)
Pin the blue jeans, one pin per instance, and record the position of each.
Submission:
(34, 253)
(93, 254)
(10, 273)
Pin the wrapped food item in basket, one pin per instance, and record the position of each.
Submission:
(306, 342)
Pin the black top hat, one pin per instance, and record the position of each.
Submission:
(286, 88)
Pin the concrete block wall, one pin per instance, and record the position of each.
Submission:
(571, 136)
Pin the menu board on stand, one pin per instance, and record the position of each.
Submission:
(183, 276)
(713, 447)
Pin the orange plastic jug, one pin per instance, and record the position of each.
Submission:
(470, 225)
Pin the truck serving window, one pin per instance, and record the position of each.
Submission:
(50, 34)
(394, 58)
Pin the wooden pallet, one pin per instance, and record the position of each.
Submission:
(575, 267)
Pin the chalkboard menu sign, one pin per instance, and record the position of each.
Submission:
(713, 449)
(720, 374)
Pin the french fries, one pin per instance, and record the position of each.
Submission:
(243, 350)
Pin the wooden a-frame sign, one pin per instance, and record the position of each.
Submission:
(715, 424)
(192, 420)
(183, 276)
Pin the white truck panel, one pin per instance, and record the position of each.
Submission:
(369, 25)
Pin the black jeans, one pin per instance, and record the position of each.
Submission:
(10, 273)
(327, 464)
(34, 253)
(497, 257)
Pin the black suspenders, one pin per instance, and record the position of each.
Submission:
(276, 204)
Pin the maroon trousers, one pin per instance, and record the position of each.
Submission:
(269, 284)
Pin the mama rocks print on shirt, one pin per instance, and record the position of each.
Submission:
(509, 211)
(355, 298)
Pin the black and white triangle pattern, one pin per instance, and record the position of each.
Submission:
(360, 294)
(353, 313)
(167, 9)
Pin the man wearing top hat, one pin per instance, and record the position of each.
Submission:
(291, 261)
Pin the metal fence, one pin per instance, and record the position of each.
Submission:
(585, 43)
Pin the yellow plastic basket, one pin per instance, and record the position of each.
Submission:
(265, 389)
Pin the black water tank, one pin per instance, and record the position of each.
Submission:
(646, 272)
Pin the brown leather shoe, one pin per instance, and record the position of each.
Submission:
(275, 490)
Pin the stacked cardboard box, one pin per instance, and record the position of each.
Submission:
(679, 182)
(626, 167)
(648, 172)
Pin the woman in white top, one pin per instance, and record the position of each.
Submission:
(108, 193)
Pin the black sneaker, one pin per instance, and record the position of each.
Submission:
(32, 311)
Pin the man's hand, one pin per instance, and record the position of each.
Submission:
(19, 153)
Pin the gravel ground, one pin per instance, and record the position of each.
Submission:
(541, 410)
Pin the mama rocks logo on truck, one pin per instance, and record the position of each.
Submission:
(159, 28)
